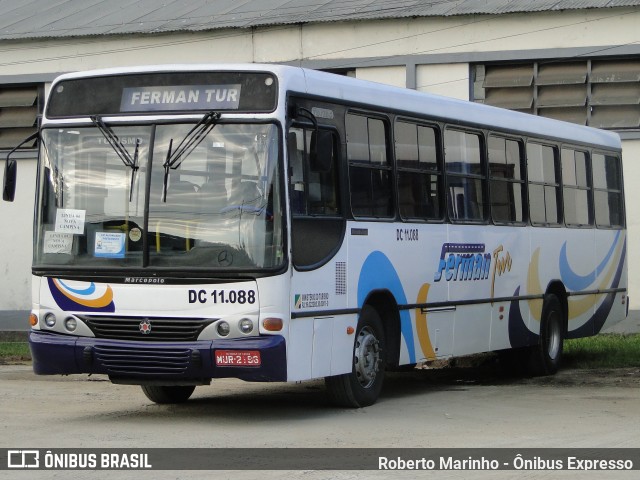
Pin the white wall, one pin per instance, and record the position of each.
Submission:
(631, 166)
(396, 76)
(16, 232)
(451, 80)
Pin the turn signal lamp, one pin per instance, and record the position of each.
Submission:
(33, 319)
(272, 324)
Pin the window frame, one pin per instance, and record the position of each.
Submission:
(483, 176)
(438, 172)
(619, 191)
(522, 181)
(569, 187)
(370, 166)
(308, 129)
(557, 185)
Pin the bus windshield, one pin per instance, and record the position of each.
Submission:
(218, 208)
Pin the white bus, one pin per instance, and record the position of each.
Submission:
(272, 223)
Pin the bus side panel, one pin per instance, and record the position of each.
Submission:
(510, 253)
(610, 273)
(341, 344)
(299, 349)
(488, 263)
(403, 260)
(577, 269)
(468, 260)
(323, 331)
(319, 345)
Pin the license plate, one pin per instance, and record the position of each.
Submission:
(238, 358)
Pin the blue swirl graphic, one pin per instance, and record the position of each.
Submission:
(378, 273)
(577, 282)
(87, 291)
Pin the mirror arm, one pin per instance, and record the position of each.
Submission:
(10, 170)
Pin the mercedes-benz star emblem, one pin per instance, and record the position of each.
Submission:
(145, 327)
(225, 258)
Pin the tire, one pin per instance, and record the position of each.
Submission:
(362, 386)
(168, 394)
(546, 356)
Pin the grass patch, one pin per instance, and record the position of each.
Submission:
(14, 347)
(609, 350)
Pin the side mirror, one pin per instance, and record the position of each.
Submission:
(11, 170)
(10, 174)
(321, 151)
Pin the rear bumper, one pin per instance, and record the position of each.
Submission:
(145, 362)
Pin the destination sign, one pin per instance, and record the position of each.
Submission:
(164, 91)
(181, 97)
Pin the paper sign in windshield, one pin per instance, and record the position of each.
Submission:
(109, 245)
(70, 221)
(55, 242)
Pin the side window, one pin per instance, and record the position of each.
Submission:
(576, 187)
(465, 176)
(314, 189)
(507, 182)
(607, 190)
(419, 174)
(369, 168)
(542, 170)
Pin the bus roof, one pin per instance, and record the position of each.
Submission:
(409, 102)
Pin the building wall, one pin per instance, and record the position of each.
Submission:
(631, 165)
(396, 76)
(16, 240)
(449, 79)
(429, 54)
(338, 42)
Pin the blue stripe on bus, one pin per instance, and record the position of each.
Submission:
(378, 273)
(577, 282)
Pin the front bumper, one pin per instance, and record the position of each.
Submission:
(152, 362)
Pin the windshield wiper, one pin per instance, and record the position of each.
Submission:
(188, 144)
(120, 149)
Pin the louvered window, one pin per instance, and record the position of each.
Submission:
(599, 93)
(19, 108)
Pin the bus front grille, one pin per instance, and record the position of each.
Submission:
(155, 329)
(140, 362)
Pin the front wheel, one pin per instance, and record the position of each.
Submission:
(362, 386)
(168, 394)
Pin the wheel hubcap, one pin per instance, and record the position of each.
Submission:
(367, 357)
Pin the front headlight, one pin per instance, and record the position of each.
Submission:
(50, 320)
(245, 325)
(223, 329)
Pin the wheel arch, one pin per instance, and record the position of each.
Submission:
(387, 307)
(557, 288)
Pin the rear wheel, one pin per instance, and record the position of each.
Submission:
(362, 386)
(168, 394)
(545, 358)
